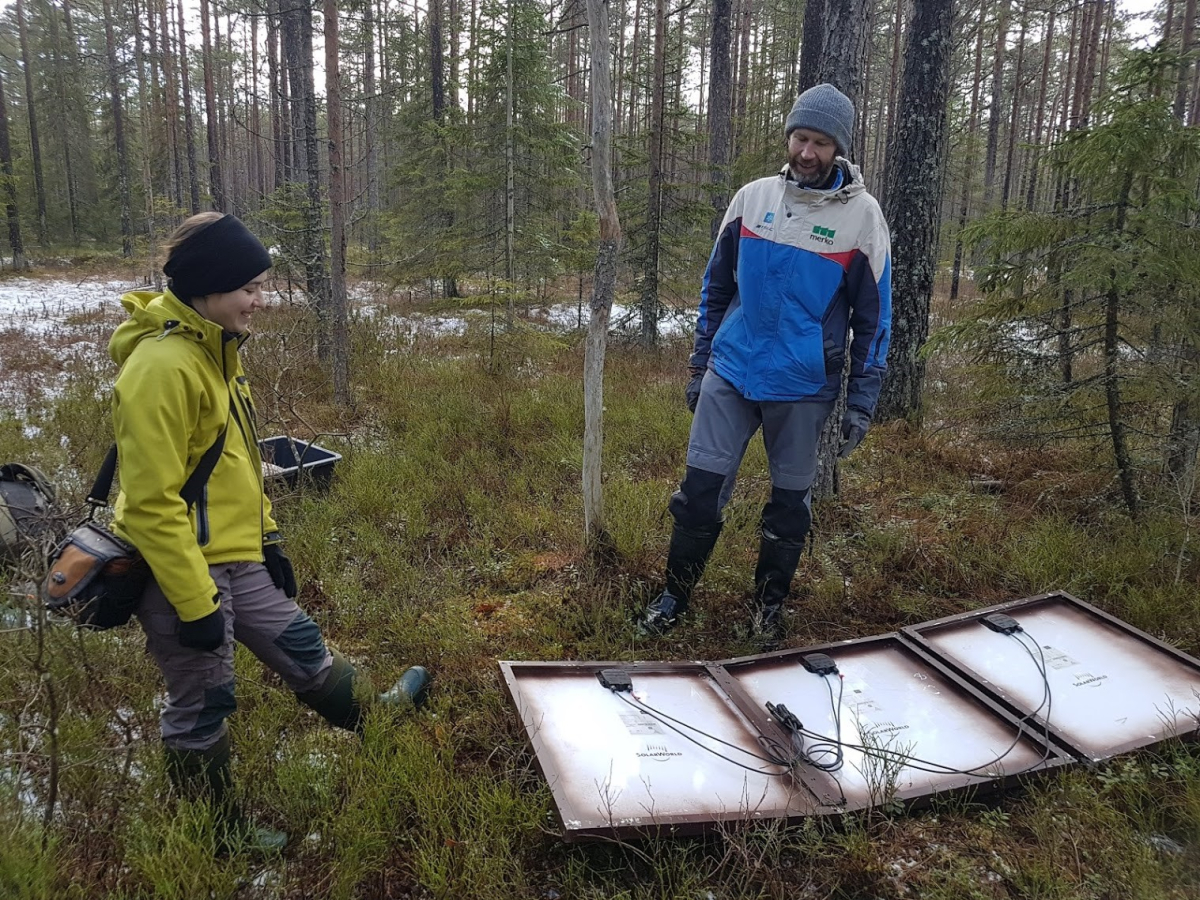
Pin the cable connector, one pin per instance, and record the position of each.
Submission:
(786, 717)
(616, 680)
(819, 663)
(1001, 623)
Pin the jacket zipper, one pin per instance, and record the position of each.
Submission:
(202, 526)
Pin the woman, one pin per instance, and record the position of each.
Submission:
(220, 573)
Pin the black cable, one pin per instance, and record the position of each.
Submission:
(824, 747)
(1047, 701)
(929, 766)
(664, 719)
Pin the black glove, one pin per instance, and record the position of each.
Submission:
(280, 567)
(204, 634)
(692, 391)
(855, 424)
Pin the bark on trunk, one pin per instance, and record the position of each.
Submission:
(9, 187)
(189, 132)
(841, 64)
(719, 114)
(964, 205)
(604, 281)
(116, 102)
(915, 199)
(844, 49)
(371, 121)
(1112, 359)
(216, 187)
(35, 147)
(812, 42)
(649, 299)
(340, 337)
(997, 106)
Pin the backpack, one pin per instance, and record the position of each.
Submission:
(27, 517)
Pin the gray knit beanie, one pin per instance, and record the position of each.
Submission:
(824, 108)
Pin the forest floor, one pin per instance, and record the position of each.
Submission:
(452, 536)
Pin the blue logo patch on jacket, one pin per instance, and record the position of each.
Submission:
(769, 217)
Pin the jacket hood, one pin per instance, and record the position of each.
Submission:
(155, 314)
(852, 184)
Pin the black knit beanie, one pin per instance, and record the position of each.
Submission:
(217, 259)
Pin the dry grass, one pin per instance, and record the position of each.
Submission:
(452, 537)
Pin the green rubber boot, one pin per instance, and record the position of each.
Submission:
(335, 700)
(410, 691)
(204, 775)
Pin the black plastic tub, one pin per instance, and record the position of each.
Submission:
(294, 462)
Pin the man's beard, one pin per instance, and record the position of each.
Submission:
(809, 179)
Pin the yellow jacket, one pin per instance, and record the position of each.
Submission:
(181, 382)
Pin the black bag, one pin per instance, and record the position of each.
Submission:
(26, 511)
(96, 578)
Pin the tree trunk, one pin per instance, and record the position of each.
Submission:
(915, 199)
(1014, 121)
(964, 205)
(279, 131)
(844, 49)
(189, 132)
(340, 343)
(1112, 357)
(743, 82)
(80, 118)
(996, 111)
(35, 147)
(63, 65)
(1183, 82)
(634, 74)
(1036, 156)
(889, 130)
(604, 281)
(719, 97)
(259, 163)
(371, 123)
(455, 37)
(510, 225)
(216, 187)
(812, 44)
(655, 181)
(118, 115)
(841, 64)
(437, 74)
(172, 104)
(8, 186)
(298, 52)
(296, 28)
(145, 93)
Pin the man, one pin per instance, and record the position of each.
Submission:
(802, 259)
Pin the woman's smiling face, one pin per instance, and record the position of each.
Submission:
(233, 310)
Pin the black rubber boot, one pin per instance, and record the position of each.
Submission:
(204, 775)
(335, 700)
(686, 559)
(777, 563)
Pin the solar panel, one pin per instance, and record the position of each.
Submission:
(1112, 687)
(627, 763)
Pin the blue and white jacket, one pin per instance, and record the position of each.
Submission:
(792, 269)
